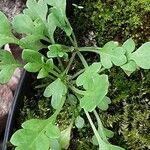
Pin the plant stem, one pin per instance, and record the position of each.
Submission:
(74, 89)
(84, 62)
(100, 126)
(54, 116)
(55, 73)
(69, 64)
(57, 69)
(93, 127)
(90, 49)
(74, 38)
(61, 64)
(73, 43)
(77, 74)
(41, 86)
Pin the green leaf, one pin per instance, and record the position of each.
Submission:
(32, 42)
(72, 100)
(79, 122)
(57, 90)
(56, 50)
(112, 54)
(35, 135)
(39, 27)
(42, 9)
(142, 55)
(96, 90)
(23, 24)
(96, 86)
(105, 146)
(65, 137)
(58, 4)
(5, 31)
(58, 15)
(37, 9)
(42, 73)
(129, 67)
(51, 26)
(4, 39)
(104, 134)
(103, 105)
(61, 20)
(7, 66)
(54, 144)
(4, 25)
(35, 63)
(86, 78)
(108, 133)
(129, 45)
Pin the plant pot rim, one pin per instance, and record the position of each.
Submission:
(17, 100)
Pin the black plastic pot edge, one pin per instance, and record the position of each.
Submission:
(17, 100)
(21, 91)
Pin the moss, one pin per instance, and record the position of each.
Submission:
(115, 19)
(129, 115)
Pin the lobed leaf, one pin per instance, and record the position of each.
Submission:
(5, 39)
(112, 54)
(4, 25)
(96, 87)
(130, 66)
(5, 31)
(57, 90)
(65, 137)
(36, 134)
(79, 122)
(58, 16)
(23, 24)
(86, 78)
(35, 63)
(37, 9)
(56, 50)
(142, 56)
(129, 45)
(103, 105)
(105, 145)
(7, 66)
(32, 42)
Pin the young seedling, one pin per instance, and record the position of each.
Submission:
(89, 86)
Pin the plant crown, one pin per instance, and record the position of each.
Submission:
(89, 86)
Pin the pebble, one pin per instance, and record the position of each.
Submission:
(6, 97)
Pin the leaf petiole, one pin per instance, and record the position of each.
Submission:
(74, 89)
(90, 49)
(76, 74)
(84, 62)
(69, 64)
(100, 125)
(93, 127)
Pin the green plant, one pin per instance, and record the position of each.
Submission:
(83, 90)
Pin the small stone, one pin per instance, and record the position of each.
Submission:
(14, 80)
(6, 97)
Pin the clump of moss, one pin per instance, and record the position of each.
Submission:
(129, 115)
(115, 19)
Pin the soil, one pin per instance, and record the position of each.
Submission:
(11, 7)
